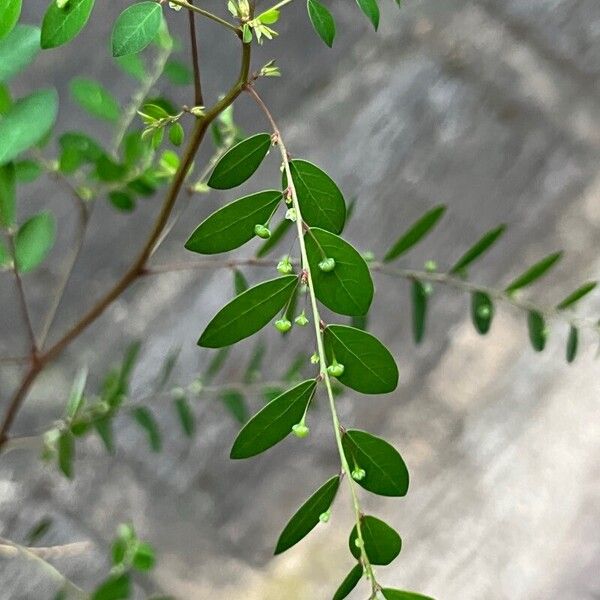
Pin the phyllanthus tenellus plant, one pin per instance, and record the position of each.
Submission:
(154, 153)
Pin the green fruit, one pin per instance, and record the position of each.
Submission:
(336, 369)
(300, 430)
(262, 232)
(358, 474)
(301, 319)
(327, 265)
(285, 266)
(283, 325)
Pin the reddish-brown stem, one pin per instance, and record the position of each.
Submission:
(198, 99)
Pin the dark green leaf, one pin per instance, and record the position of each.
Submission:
(322, 21)
(577, 295)
(178, 73)
(537, 330)
(122, 200)
(66, 453)
(390, 594)
(62, 24)
(307, 516)
(116, 587)
(103, 428)
(371, 10)
(248, 313)
(482, 311)
(5, 99)
(95, 99)
(276, 235)
(477, 249)
(240, 284)
(382, 543)
(233, 225)
(385, 471)
(240, 162)
(10, 10)
(147, 421)
(415, 233)
(274, 422)
(135, 28)
(349, 583)
(26, 123)
(33, 241)
(7, 195)
(368, 365)
(419, 310)
(143, 557)
(572, 344)
(321, 201)
(348, 288)
(534, 272)
(185, 415)
(236, 405)
(18, 49)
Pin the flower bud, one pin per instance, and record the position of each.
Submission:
(324, 517)
(174, 6)
(284, 266)
(301, 319)
(336, 369)
(300, 430)
(358, 474)
(327, 265)
(314, 359)
(431, 266)
(290, 214)
(283, 325)
(262, 232)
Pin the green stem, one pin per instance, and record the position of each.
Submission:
(206, 14)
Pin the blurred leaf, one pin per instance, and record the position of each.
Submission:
(10, 10)
(419, 310)
(147, 421)
(121, 200)
(537, 330)
(478, 249)
(135, 28)
(7, 195)
(34, 240)
(534, 272)
(62, 23)
(235, 403)
(95, 99)
(482, 311)
(572, 344)
(349, 583)
(371, 10)
(577, 295)
(382, 543)
(103, 428)
(255, 363)
(178, 73)
(216, 364)
(167, 369)
(37, 532)
(116, 587)
(133, 65)
(27, 171)
(322, 21)
(143, 557)
(66, 453)
(186, 416)
(76, 395)
(17, 50)
(390, 594)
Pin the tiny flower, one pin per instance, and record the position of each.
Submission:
(284, 266)
(290, 214)
(283, 325)
(300, 430)
(336, 369)
(174, 6)
(327, 265)
(324, 517)
(314, 359)
(358, 474)
(301, 319)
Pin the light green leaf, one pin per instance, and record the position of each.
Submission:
(136, 27)
(240, 162)
(368, 365)
(34, 240)
(26, 123)
(419, 310)
(321, 201)
(18, 49)
(349, 583)
(27, 171)
(382, 543)
(248, 313)
(482, 311)
(348, 288)
(274, 422)
(577, 295)
(385, 471)
(62, 24)
(233, 225)
(390, 594)
(146, 421)
(66, 453)
(415, 233)
(7, 195)
(307, 516)
(178, 73)
(10, 10)
(235, 403)
(116, 587)
(371, 10)
(276, 236)
(95, 99)
(133, 65)
(75, 401)
(477, 249)
(538, 333)
(534, 272)
(322, 21)
(572, 344)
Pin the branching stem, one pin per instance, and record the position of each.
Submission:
(206, 14)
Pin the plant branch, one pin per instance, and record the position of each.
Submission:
(206, 14)
(198, 99)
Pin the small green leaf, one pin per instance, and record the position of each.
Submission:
(322, 21)
(66, 453)
(27, 171)
(146, 420)
(62, 24)
(390, 594)
(415, 233)
(116, 587)
(368, 365)
(10, 10)
(143, 557)
(240, 283)
(26, 123)
(572, 344)
(233, 225)
(240, 162)
(385, 471)
(104, 430)
(178, 73)
(307, 516)
(248, 313)
(7, 195)
(577, 295)
(122, 200)
(482, 311)
(321, 201)
(274, 422)
(136, 27)
(477, 249)
(235, 403)
(76, 395)
(534, 272)
(17, 50)
(276, 236)
(185, 415)
(371, 10)
(382, 543)
(419, 298)
(216, 364)
(537, 330)
(133, 65)
(346, 289)
(95, 99)
(176, 134)
(34, 240)
(350, 582)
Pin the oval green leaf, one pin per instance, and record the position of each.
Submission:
(534, 272)
(390, 594)
(415, 233)
(33, 241)
(419, 310)
(371, 9)
(18, 49)
(248, 312)
(7, 195)
(382, 543)
(482, 311)
(240, 162)
(145, 419)
(347, 289)
(350, 582)
(321, 201)
(538, 334)
(322, 21)
(10, 10)
(572, 344)
(233, 225)
(307, 516)
(385, 471)
(95, 99)
(577, 295)
(135, 28)
(274, 422)
(368, 365)
(61, 25)
(478, 249)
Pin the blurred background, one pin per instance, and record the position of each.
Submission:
(489, 106)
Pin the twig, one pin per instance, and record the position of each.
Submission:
(206, 14)
(198, 99)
